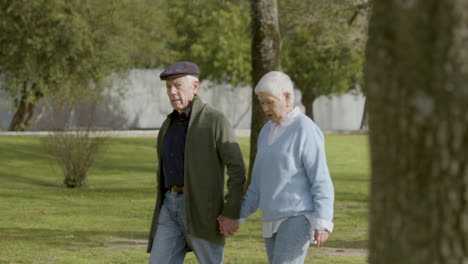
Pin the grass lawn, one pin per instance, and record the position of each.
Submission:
(107, 221)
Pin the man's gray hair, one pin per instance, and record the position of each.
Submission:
(191, 79)
(276, 83)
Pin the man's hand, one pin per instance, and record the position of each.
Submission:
(320, 236)
(227, 226)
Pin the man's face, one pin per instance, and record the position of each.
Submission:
(181, 92)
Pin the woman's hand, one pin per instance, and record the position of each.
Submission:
(320, 236)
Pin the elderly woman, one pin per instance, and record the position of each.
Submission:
(290, 180)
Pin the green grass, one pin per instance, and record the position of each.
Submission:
(108, 220)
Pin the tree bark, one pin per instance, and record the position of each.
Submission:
(307, 100)
(266, 45)
(17, 122)
(25, 108)
(417, 80)
(365, 117)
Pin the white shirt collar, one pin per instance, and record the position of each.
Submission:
(289, 118)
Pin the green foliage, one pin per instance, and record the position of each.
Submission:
(65, 49)
(321, 65)
(322, 52)
(108, 220)
(215, 35)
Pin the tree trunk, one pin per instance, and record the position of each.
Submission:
(25, 109)
(417, 80)
(365, 117)
(266, 45)
(307, 100)
(17, 122)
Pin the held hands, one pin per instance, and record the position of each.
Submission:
(227, 226)
(320, 236)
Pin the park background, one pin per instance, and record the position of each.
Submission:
(144, 106)
(75, 70)
(69, 63)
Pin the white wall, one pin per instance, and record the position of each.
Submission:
(5, 111)
(339, 112)
(145, 105)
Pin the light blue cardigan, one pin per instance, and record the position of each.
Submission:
(290, 177)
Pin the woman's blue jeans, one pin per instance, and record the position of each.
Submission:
(290, 243)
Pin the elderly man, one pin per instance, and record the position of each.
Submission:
(195, 144)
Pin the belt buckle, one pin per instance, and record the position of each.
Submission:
(176, 189)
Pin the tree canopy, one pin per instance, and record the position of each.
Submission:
(322, 51)
(215, 35)
(62, 48)
(66, 49)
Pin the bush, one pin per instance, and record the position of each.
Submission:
(75, 150)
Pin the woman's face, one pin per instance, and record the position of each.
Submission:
(274, 108)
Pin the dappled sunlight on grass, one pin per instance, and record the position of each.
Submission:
(107, 221)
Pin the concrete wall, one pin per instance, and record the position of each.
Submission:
(145, 106)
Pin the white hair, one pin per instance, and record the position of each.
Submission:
(191, 78)
(276, 83)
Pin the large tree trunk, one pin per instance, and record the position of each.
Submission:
(417, 80)
(307, 100)
(25, 108)
(266, 45)
(365, 117)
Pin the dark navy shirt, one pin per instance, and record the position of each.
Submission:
(173, 149)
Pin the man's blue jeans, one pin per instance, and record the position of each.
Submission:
(172, 241)
(290, 243)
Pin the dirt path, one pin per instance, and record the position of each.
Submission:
(142, 243)
(341, 252)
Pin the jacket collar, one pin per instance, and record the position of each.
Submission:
(197, 105)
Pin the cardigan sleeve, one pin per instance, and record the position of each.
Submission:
(229, 152)
(314, 160)
(250, 202)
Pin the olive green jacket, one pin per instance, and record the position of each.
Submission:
(211, 146)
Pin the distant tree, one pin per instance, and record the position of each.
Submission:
(215, 35)
(320, 65)
(417, 90)
(67, 48)
(321, 51)
(266, 46)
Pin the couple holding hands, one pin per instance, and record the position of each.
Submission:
(290, 184)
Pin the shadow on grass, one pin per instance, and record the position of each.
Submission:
(26, 150)
(122, 165)
(145, 192)
(57, 237)
(361, 244)
(29, 155)
(352, 197)
(350, 178)
(146, 142)
(17, 178)
(109, 160)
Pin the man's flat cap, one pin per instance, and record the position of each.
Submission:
(178, 69)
